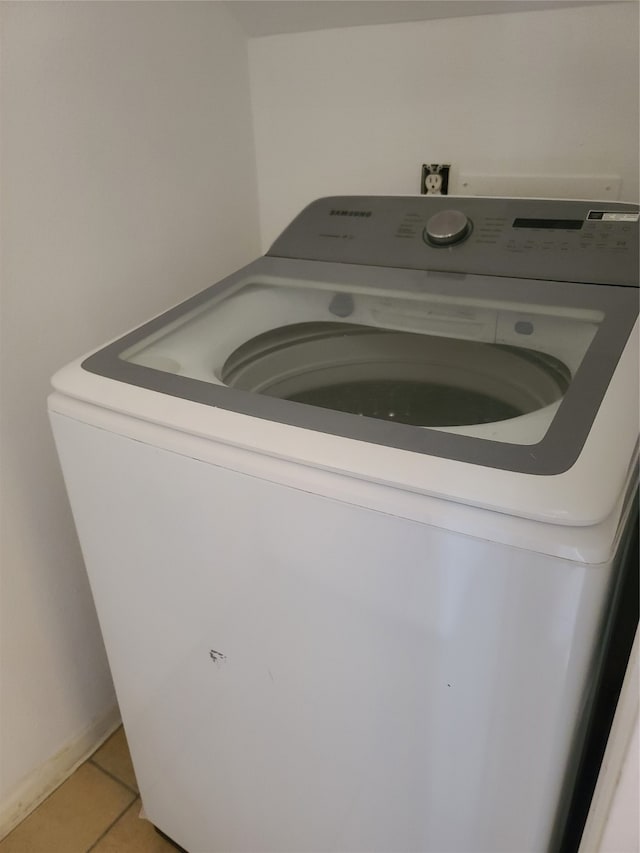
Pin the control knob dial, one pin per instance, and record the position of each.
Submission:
(447, 227)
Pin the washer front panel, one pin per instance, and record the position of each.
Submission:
(585, 327)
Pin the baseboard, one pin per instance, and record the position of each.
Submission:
(45, 779)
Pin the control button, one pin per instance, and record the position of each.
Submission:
(447, 227)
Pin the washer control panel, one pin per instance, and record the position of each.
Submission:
(559, 240)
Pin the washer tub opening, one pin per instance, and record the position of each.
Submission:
(423, 380)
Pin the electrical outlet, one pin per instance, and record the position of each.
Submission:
(435, 179)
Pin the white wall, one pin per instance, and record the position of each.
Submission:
(128, 182)
(622, 834)
(359, 110)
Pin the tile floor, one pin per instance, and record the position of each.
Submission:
(95, 811)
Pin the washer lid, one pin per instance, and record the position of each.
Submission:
(498, 372)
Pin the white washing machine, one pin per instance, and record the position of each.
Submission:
(354, 521)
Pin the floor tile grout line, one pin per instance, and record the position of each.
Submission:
(113, 776)
(112, 824)
(136, 793)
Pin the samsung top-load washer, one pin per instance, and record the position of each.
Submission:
(354, 520)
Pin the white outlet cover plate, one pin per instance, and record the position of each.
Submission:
(597, 187)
